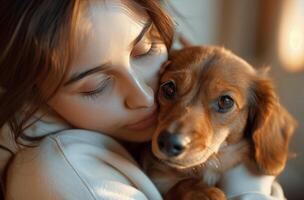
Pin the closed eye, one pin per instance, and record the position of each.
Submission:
(150, 49)
(98, 90)
(148, 43)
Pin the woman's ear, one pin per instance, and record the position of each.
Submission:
(269, 126)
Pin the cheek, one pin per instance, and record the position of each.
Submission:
(148, 67)
(89, 114)
(238, 128)
(233, 122)
(227, 119)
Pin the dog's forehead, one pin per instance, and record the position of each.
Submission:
(230, 63)
(209, 72)
(199, 55)
(188, 58)
(210, 61)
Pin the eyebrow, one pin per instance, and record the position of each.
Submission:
(78, 76)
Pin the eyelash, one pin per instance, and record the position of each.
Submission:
(97, 92)
(153, 49)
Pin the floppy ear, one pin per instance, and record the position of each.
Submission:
(270, 127)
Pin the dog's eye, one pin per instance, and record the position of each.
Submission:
(225, 103)
(168, 89)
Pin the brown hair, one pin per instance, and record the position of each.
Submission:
(36, 48)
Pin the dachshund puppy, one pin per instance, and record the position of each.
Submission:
(216, 112)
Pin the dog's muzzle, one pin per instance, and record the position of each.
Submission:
(171, 144)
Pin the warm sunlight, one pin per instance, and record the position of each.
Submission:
(291, 35)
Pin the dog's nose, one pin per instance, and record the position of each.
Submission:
(171, 144)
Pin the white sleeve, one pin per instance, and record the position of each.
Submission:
(49, 172)
(276, 194)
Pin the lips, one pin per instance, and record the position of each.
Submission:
(144, 123)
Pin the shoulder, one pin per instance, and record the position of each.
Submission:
(74, 141)
(78, 164)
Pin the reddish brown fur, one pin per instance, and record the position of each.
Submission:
(271, 127)
(202, 74)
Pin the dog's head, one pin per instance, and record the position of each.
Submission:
(209, 97)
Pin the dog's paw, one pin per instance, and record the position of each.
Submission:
(194, 189)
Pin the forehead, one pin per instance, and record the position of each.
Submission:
(93, 14)
(227, 71)
(126, 7)
(102, 26)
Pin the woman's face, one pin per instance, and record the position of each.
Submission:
(114, 76)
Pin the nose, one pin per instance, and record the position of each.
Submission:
(171, 144)
(138, 93)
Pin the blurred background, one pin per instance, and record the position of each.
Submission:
(265, 33)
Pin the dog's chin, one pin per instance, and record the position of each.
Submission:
(186, 161)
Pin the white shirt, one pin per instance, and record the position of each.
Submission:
(76, 164)
(72, 164)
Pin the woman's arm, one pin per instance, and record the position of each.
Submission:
(75, 166)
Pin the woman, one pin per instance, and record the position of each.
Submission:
(76, 77)
(90, 65)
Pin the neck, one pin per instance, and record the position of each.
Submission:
(239, 180)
